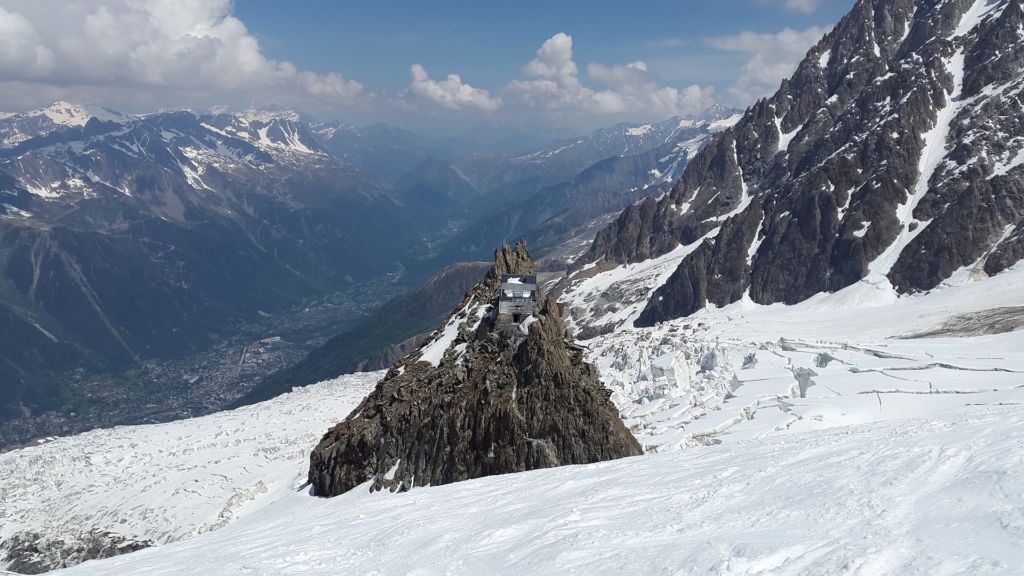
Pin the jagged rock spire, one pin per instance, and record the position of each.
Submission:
(514, 259)
(472, 402)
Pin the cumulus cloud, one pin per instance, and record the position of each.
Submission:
(159, 44)
(451, 93)
(554, 75)
(772, 57)
(553, 83)
(20, 48)
(632, 87)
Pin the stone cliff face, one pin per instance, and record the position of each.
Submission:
(894, 155)
(476, 400)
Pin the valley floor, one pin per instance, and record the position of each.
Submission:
(851, 434)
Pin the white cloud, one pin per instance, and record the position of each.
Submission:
(20, 49)
(629, 89)
(187, 45)
(554, 75)
(772, 58)
(801, 6)
(330, 86)
(805, 6)
(451, 93)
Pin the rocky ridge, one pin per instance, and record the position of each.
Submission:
(894, 156)
(473, 402)
(34, 553)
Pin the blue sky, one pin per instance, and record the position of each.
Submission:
(488, 42)
(429, 66)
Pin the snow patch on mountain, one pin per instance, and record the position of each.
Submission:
(639, 130)
(616, 297)
(267, 115)
(785, 137)
(726, 122)
(10, 211)
(977, 13)
(1002, 168)
(68, 114)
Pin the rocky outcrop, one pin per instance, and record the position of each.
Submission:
(34, 553)
(476, 400)
(894, 155)
(1006, 253)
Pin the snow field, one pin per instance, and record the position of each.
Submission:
(746, 371)
(925, 496)
(170, 481)
(806, 439)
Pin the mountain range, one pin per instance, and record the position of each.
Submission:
(559, 219)
(888, 162)
(131, 238)
(135, 246)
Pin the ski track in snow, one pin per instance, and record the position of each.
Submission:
(927, 496)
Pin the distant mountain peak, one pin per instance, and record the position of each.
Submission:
(66, 113)
(268, 114)
(639, 130)
(61, 115)
(718, 112)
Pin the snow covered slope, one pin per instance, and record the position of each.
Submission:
(755, 419)
(17, 128)
(862, 354)
(927, 496)
(161, 483)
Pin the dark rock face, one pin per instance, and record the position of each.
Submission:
(1007, 253)
(893, 154)
(716, 272)
(491, 405)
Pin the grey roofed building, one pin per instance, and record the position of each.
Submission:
(518, 297)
